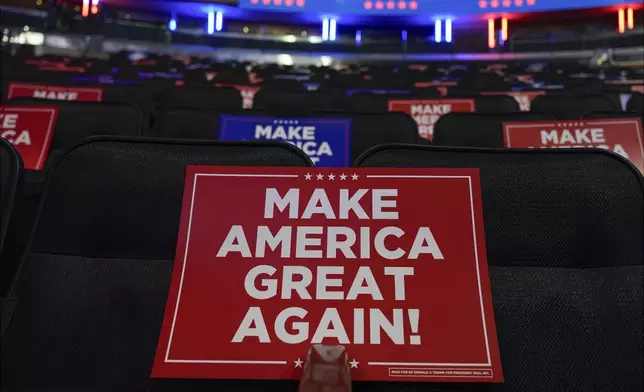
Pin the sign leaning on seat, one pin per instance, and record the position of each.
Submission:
(427, 111)
(620, 135)
(330, 256)
(30, 130)
(326, 141)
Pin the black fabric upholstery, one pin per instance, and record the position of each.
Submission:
(496, 104)
(370, 130)
(292, 103)
(636, 103)
(565, 243)
(189, 123)
(572, 107)
(79, 120)
(596, 115)
(92, 289)
(477, 129)
(222, 98)
(10, 175)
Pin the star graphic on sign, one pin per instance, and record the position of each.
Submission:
(343, 176)
(298, 363)
(331, 176)
(354, 177)
(320, 176)
(354, 364)
(308, 176)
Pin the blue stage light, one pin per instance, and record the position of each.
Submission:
(220, 21)
(325, 29)
(448, 30)
(404, 35)
(211, 22)
(358, 37)
(438, 33)
(332, 30)
(172, 24)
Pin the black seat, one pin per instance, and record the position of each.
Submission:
(565, 245)
(370, 130)
(190, 123)
(572, 107)
(292, 103)
(496, 104)
(477, 129)
(220, 98)
(79, 120)
(636, 104)
(92, 289)
(10, 177)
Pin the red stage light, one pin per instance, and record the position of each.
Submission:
(531, 2)
(380, 5)
(254, 1)
(289, 3)
(368, 5)
(507, 3)
(413, 5)
(518, 3)
(494, 3)
(482, 4)
(390, 5)
(266, 2)
(94, 10)
(300, 3)
(277, 2)
(402, 5)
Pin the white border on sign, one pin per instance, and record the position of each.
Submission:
(52, 113)
(99, 91)
(279, 362)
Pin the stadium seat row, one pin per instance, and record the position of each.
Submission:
(564, 235)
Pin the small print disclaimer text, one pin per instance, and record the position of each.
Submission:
(439, 373)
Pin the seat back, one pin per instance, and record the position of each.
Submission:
(79, 120)
(10, 176)
(292, 103)
(572, 107)
(370, 130)
(93, 286)
(190, 123)
(222, 98)
(565, 243)
(477, 129)
(636, 104)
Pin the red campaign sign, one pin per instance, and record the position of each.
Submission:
(620, 135)
(330, 256)
(59, 93)
(427, 111)
(30, 130)
(524, 99)
(247, 93)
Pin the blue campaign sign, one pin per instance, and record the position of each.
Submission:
(327, 141)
